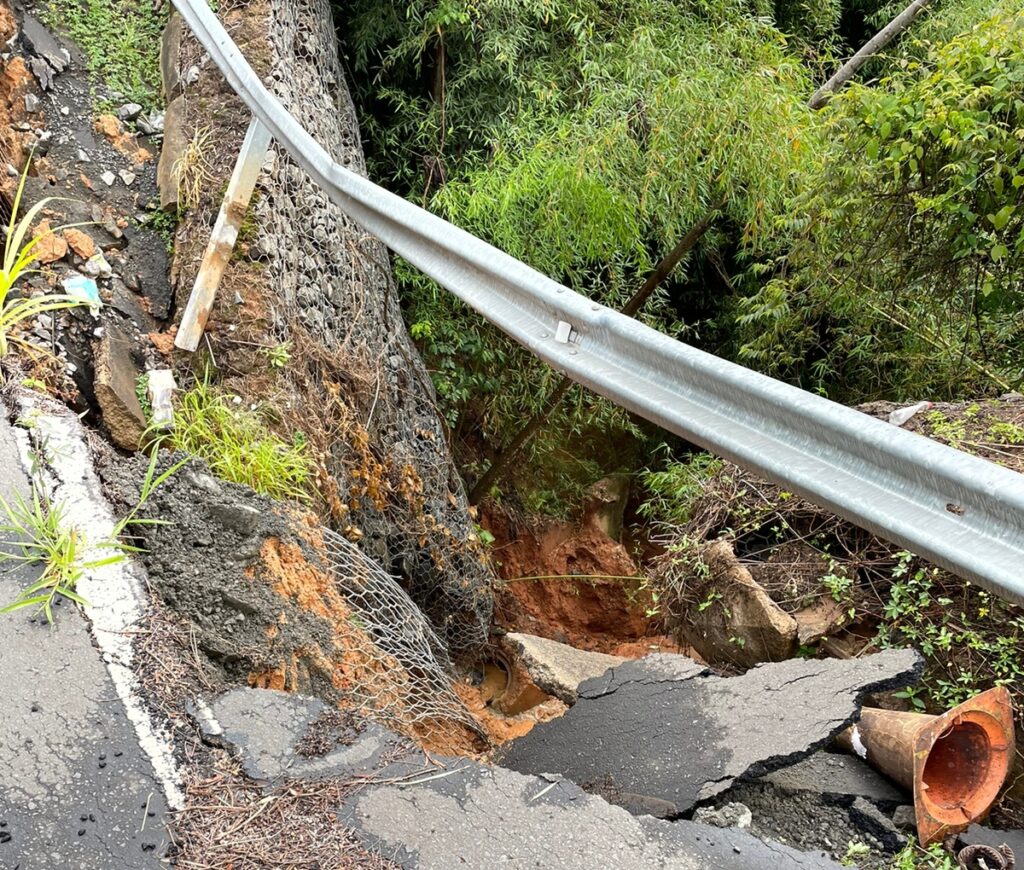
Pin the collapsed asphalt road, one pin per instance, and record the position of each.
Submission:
(76, 791)
(441, 813)
(665, 728)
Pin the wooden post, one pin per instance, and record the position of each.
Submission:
(870, 48)
(222, 239)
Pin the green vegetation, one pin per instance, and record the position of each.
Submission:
(20, 254)
(120, 40)
(674, 490)
(279, 355)
(913, 857)
(869, 251)
(586, 139)
(903, 272)
(970, 639)
(43, 537)
(238, 445)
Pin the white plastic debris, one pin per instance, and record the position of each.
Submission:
(159, 388)
(901, 415)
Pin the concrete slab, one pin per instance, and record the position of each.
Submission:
(266, 729)
(472, 815)
(665, 727)
(558, 668)
(75, 789)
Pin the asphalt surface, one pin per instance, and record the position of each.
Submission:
(666, 728)
(474, 815)
(75, 789)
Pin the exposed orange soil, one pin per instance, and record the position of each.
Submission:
(572, 585)
(126, 143)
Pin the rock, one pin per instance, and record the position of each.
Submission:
(240, 518)
(150, 124)
(115, 381)
(97, 266)
(42, 44)
(435, 818)
(819, 620)
(557, 668)
(31, 103)
(80, 242)
(839, 777)
(170, 52)
(82, 157)
(42, 71)
(730, 815)
(605, 504)
(126, 176)
(174, 144)
(744, 626)
(904, 817)
(51, 247)
(664, 726)
(267, 729)
(868, 817)
(129, 111)
(108, 178)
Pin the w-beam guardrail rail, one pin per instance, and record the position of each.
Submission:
(959, 511)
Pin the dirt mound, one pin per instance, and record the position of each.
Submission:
(273, 600)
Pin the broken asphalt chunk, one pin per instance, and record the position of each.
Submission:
(277, 734)
(432, 819)
(558, 668)
(665, 727)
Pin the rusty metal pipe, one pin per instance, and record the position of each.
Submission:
(955, 764)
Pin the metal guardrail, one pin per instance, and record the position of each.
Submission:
(959, 511)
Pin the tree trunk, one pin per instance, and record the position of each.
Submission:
(877, 42)
(503, 460)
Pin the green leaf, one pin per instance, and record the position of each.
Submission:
(1002, 217)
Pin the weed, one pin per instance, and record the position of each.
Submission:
(44, 538)
(837, 583)
(19, 255)
(970, 642)
(913, 857)
(142, 394)
(239, 446)
(854, 852)
(120, 40)
(191, 170)
(674, 491)
(279, 355)
(1004, 432)
(164, 224)
(952, 431)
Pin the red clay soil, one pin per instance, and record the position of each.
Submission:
(576, 586)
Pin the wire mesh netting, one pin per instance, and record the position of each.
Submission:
(397, 667)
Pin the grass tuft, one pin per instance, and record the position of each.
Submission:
(238, 445)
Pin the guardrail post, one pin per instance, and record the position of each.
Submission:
(225, 233)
